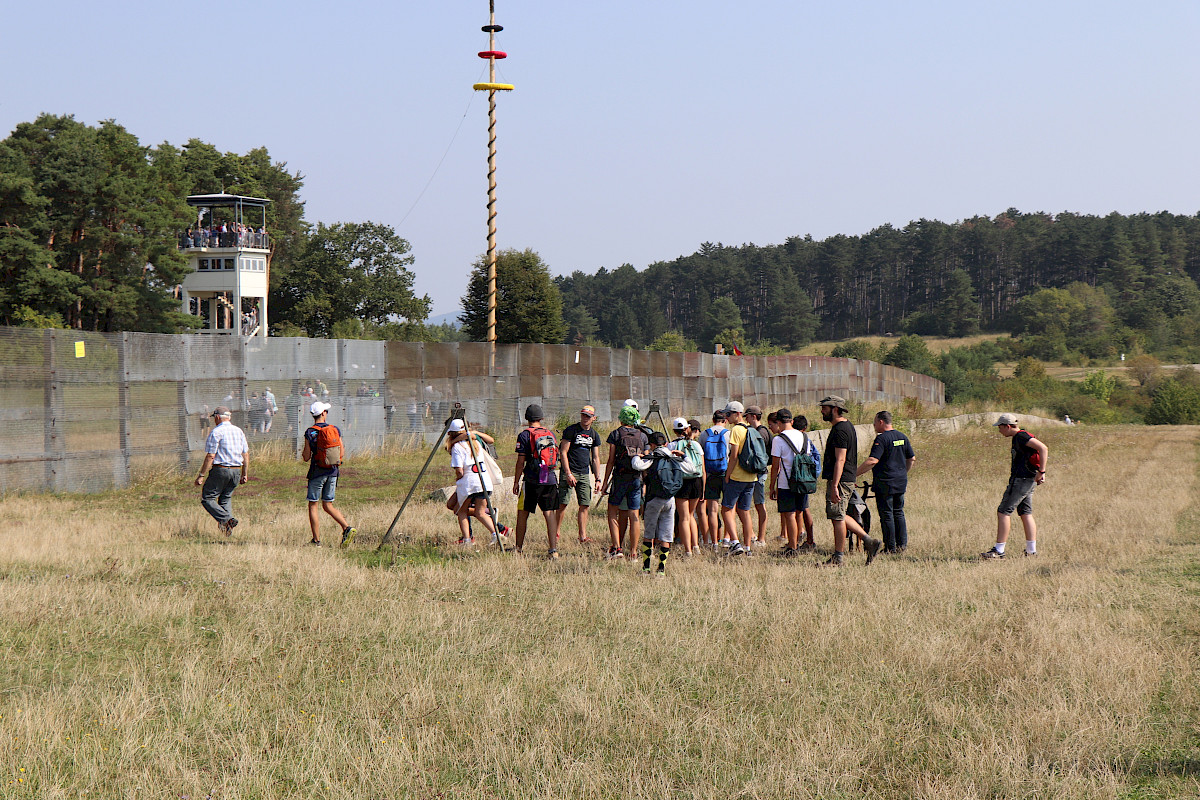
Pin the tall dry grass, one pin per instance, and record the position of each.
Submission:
(147, 657)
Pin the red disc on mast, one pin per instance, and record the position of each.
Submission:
(493, 54)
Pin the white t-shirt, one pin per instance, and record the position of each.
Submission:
(779, 448)
(469, 483)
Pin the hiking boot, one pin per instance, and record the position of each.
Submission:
(991, 554)
(230, 525)
(872, 547)
(835, 560)
(348, 536)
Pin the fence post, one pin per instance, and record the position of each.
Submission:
(53, 445)
(123, 407)
(184, 448)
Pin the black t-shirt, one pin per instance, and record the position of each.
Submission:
(622, 464)
(532, 464)
(582, 440)
(893, 450)
(1021, 451)
(842, 435)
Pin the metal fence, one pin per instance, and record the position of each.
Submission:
(85, 412)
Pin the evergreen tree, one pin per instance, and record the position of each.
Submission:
(528, 305)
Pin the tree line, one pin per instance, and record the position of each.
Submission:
(1125, 281)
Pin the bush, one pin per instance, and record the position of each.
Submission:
(1174, 403)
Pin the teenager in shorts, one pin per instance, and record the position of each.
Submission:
(692, 493)
(715, 444)
(790, 500)
(580, 468)
(473, 485)
(541, 484)
(623, 483)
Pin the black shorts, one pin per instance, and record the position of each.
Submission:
(541, 495)
(714, 486)
(693, 489)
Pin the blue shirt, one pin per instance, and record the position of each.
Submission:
(227, 444)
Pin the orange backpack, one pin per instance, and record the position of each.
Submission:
(328, 451)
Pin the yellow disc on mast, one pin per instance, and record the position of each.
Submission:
(499, 87)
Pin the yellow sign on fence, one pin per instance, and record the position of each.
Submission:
(79, 350)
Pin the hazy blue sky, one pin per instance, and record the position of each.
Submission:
(639, 130)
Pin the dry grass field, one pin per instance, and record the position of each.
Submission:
(147, 657)
(935, 344)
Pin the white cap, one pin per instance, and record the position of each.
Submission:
(679, 423)
(456, 425)
(318, 408)
(630, 403)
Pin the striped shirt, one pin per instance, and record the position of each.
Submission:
(227, 444)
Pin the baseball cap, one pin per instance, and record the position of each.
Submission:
(456, 425)
(318, 408)
(534, 412)
(221, 411)
(834, 401)
(630, 403)
(734, 407)
(755, 410)
(1006, 419)
(589, 410)
(679, 423)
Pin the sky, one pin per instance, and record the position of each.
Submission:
(640, 130)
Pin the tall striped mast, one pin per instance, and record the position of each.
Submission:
(491, 87)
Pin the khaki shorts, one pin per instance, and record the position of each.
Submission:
(837, 511)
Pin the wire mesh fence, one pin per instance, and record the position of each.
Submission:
(85, 412)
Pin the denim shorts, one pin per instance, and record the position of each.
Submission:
(322, 487)
(760, 491)
(739, 493)
(625, 493)
(1018, 497)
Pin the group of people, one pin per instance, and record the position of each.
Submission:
(699, 487)
(225, 234)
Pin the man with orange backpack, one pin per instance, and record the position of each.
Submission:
(324, 451)
(537, 463)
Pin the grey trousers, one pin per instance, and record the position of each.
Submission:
(217, 492)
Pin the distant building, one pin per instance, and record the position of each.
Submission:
(227, 249)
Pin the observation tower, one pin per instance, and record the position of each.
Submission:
(227, 249)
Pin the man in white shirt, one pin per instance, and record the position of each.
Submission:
(226, 459)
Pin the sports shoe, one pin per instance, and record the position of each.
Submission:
(807, 547)
(645, 572)
(613, 554)
(315, 543)
(872, 547)
(466, 541)
(662, 573)
(789, 552)
(991, 554)
(759, 543)
(736, 549)
(726, 543)
(835, 560)
(1030, 555)
(553, 555)
(348, 536)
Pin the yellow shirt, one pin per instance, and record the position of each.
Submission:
(737, 438)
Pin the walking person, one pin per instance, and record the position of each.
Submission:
(537, 457)
(890, 460)
(1028, 471)
(753, 420)
(791, 500)
(324, 453)
(473, 483)
(839, 468)
(691, 495)
(579, 471)
(623, 483)
(226, 462)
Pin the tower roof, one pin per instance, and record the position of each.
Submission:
(225, 200)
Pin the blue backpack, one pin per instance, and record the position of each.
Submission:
(716, 451)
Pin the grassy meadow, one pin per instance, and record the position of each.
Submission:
(146, 656)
